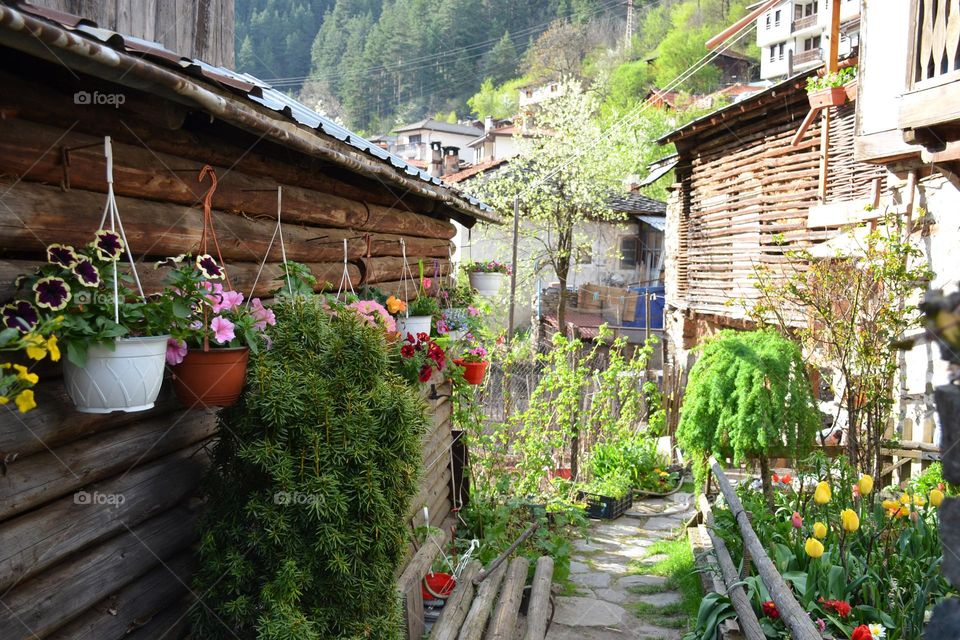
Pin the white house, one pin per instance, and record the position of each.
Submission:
(794, 35)
(413, 140)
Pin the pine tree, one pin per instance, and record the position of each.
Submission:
(501, 63)
(311, 483)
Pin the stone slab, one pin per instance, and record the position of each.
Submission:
(641, 581)
(593, 579)
(587, 612)
(661, 599)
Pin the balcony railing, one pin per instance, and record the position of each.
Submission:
(804, 57)
(933, 92)
(804, 23)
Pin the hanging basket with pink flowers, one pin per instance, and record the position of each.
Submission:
(214, 329)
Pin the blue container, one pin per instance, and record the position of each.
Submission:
(657, 305)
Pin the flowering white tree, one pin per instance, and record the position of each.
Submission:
(564, 176)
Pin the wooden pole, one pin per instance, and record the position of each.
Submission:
(798, 622)
(506, 554)
(746, 618)
(832, 65)
(513, 272)
(455, 610)
(538, 608)
(504, 621)
(476, 619)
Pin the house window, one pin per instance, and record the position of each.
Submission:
(776, 18)
(585, 254)
(780, 52)
(768, 21)
(773, 52)
(529, 93)
(553, 88)
(651, 245)
(628, 251)
(811, 43)
(416, 138)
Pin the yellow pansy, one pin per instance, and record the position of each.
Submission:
(849, 520)
(819, 530)
(4, 400)
(936, 497)
(24, 374)
(865, 484)
(823, 493)
(36, 347)
(813, 547)
(53, 348)
(25, 400)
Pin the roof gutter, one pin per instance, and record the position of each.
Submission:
(46, 41)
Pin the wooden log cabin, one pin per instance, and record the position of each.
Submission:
(70, 570)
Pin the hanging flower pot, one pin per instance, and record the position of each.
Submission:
(438, 586)
(486, 284)
(127, 378)
(211, 378)
(473, 372)
(414, 325)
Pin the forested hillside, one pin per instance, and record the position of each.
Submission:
(374, 63)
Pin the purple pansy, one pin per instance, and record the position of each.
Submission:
(62, 254)
(86, 273)
(209, 267)
(108, 245)
(20, 315)
(52, 293)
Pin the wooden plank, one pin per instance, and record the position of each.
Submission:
(504, 620)
(168, 624)
(454, 611)
(538, 608)
(476, 620)
(43, 537)
(40, 478)
(45, 603)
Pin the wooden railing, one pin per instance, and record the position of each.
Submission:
(936, 41)
(933, 91)
(806, 56)
(804, 23)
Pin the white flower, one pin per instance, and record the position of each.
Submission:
(877, 631)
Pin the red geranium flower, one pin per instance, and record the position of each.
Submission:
(770, 609)
(862, 633)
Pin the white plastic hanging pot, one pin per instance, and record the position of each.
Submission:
(486, 284)
(127, 378)
(414, 325)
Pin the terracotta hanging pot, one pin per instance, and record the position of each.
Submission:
(211, 378)
(830, 97)
(473, 372)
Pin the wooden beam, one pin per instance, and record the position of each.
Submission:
(504, 621)
(476, 620)
(726, 34)
(447, 626)
(538, 609)
(798, 622)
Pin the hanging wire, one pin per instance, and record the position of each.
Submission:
(110, 209)
(403, 275)
(283, 251)
(345, 280)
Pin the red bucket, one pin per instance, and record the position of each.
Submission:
(438, 585)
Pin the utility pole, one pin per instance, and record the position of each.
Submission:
(629, 35)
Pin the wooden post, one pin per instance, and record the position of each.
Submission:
(476, 620)
(504, 620)
(538, 610)
(832, 65)
(513, 267)
(731, 581)
(447, 626)
(798, 622)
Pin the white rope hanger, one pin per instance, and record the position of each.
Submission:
(278, 231)
(345, 280)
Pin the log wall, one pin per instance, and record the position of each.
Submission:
(73, 562)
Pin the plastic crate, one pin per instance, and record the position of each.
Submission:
(605, 507)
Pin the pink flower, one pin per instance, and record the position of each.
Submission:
(473, 311)
(227, 301)
(427, 282)
(262, 315)
(176, 351)
(222, 330)
(796, 520)
(442, 327)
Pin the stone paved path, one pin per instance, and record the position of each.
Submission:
(607, 595)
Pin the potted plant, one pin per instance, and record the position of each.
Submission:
(416, 316)
(607, 498)
(420, 357)
(829, 90)
(459, 323)
(115, 341)
(24, 333)
(486, 277)
(213, 333)
(474, 363)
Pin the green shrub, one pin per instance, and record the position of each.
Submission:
(310, 486)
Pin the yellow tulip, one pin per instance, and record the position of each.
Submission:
(823, 494)
(904, 499)
(850, 520)
(25, 400)
(919, 500)
(865, 484)
(53, 348)
(936, 497)
(890, 505)
(819, 530)
(813, 547)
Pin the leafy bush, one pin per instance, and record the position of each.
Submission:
(311, 483)
(747, 396)
(831, 80)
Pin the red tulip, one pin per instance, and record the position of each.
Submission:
(862, 633)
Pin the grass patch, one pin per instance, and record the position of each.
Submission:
(688, 487)
(645, 589)
(679, 570)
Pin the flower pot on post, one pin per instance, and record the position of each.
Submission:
(830, 97)
(486, 284)
(212, 378)
(126, 378)
(473, 372)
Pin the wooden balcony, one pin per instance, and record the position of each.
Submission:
(805, 57)
(804, 23)
(933, 91)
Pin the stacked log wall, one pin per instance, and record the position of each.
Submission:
(75, 565)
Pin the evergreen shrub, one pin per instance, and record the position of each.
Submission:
(312, 479)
